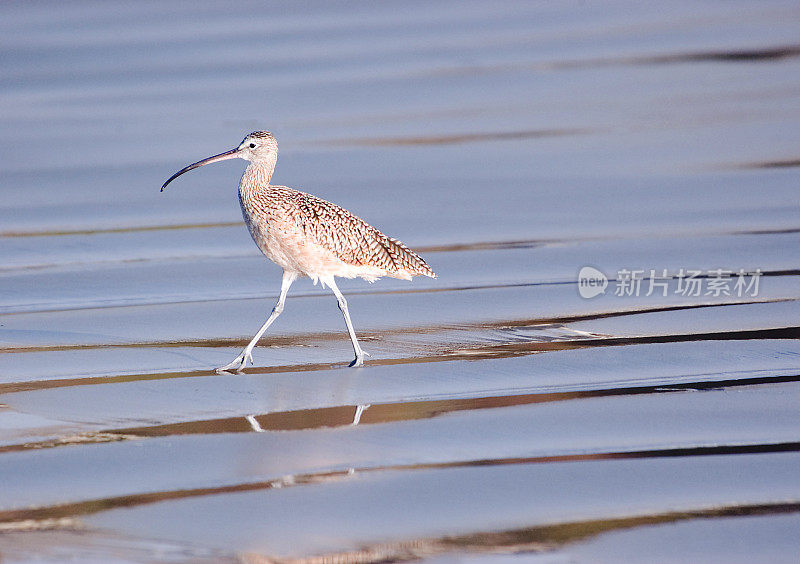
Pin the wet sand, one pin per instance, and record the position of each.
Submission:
(502, 416)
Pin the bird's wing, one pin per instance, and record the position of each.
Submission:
(351, 239)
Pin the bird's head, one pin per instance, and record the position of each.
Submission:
(258, 147)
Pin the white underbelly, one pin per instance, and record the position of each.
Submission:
(287, 246)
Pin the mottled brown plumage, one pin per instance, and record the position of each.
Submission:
(327, 229)
(308, 236)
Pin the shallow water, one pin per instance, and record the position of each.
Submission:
(501, 415)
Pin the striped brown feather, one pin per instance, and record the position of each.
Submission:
(350, 238)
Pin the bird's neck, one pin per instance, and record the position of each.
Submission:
(257, 175)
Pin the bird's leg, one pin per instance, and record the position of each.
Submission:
(359, 360)
(247, 354)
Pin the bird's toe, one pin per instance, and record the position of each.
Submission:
(238, 363)
(358, 361)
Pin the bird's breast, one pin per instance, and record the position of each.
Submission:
(264, 223)
(276, 232)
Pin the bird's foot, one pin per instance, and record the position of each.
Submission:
(238, 363)
(359, 360)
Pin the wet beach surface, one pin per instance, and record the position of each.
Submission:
(501, 416)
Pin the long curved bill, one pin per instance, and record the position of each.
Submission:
(232, 154)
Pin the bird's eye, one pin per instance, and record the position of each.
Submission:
(252, 145)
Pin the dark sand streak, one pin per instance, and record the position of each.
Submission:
(456, 138)
(506, 350)
(544, 538)
(133, 229)
(763, 55)
(132, 500)
(109, 304)
(306, 339)
(342, 416)
(788, 163)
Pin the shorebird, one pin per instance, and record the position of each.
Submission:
(308, 236)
